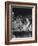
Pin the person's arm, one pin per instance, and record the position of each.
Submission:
(28, 22)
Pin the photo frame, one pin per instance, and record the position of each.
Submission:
(20, 22)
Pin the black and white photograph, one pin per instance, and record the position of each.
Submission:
(21, 22)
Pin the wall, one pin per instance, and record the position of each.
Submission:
(2, 23)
